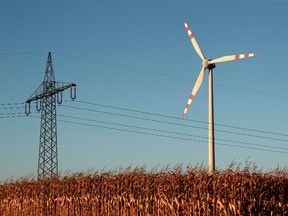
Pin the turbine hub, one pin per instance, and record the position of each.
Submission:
(205, 63)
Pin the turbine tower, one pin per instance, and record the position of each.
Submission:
(210, 65)
(46, 96)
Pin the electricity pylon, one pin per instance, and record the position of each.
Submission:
(46, 96)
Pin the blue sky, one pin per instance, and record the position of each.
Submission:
(136, 55)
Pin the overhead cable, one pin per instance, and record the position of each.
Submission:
(162, 135)
(173, 123)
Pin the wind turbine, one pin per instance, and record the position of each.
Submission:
(210, 65)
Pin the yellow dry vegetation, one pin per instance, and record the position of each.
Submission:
(138, 192)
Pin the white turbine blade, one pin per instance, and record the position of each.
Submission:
(194, 42)
(194, 91)
(231, 58)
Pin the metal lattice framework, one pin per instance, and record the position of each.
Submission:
(48, 94)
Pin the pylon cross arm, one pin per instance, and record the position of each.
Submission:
(49, 93)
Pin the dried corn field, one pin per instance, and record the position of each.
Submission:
(138, 192)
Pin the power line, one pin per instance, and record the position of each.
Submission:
(142, 71)
(178, 118)
(17, 113)
(173, 123)
(10, 115)
(123, 67)
(169, 132)
(9, 104)
(252, 91)
(21, 53)
(156, 132)
(164, 75)
(16, 107)
(164, 136)
(160, 121)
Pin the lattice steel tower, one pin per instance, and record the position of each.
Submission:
(46, 96)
